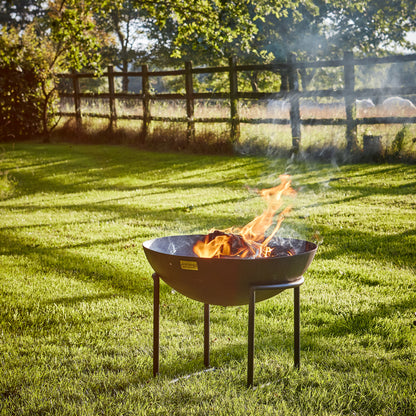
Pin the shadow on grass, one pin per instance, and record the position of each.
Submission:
(73, 300)
(77, 266)
(370, 322)
(95, 168)
(396, 249)
(155, 212)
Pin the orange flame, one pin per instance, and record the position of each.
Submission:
(250, 240)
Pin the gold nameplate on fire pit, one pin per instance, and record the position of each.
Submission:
(189, 265)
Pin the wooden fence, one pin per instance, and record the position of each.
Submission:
(290, 91)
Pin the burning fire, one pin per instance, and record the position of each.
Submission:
(250, 240)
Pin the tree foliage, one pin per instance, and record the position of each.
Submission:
(217, 26)
(61, 39)
(371, 26)
(264, 30)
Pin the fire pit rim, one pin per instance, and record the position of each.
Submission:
(148, 245)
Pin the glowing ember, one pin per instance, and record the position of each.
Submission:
(250, 240)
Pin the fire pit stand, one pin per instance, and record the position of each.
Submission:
(251, 315)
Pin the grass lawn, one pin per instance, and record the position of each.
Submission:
(76, 289)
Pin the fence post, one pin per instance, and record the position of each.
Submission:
(349, 98)
(77, 100)
(235, 120)
(294, 102)
(145, 103)
(189, 86)
(111, 90)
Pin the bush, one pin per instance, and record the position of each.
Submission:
(398, 142)
(20, 109)
(27, 87)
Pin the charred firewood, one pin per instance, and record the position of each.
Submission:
(215, 234)
(235, 241)
(282, 252)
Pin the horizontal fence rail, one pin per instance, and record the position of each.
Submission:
(290, 92)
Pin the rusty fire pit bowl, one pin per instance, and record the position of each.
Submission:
(227, 280)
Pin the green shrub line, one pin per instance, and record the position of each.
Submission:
(76, 289)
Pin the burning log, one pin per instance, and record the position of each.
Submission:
(236, 241)
(279, 251)
(238, 246)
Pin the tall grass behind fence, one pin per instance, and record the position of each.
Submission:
(293, 97)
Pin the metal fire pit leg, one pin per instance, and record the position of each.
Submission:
(250, 341)
(206, 335)
(251, 315)
(156, 310)
(296, 329)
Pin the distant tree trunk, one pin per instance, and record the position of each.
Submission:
(284, 81)
(45, 131)
(125, 82)
(123, 39)
(254, 81)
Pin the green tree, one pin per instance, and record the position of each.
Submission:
(124, 21)
(260, 31)
(370, 27)
(64, 38)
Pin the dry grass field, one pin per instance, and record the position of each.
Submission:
(255, 136)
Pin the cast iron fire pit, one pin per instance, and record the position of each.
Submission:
(227, 281)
